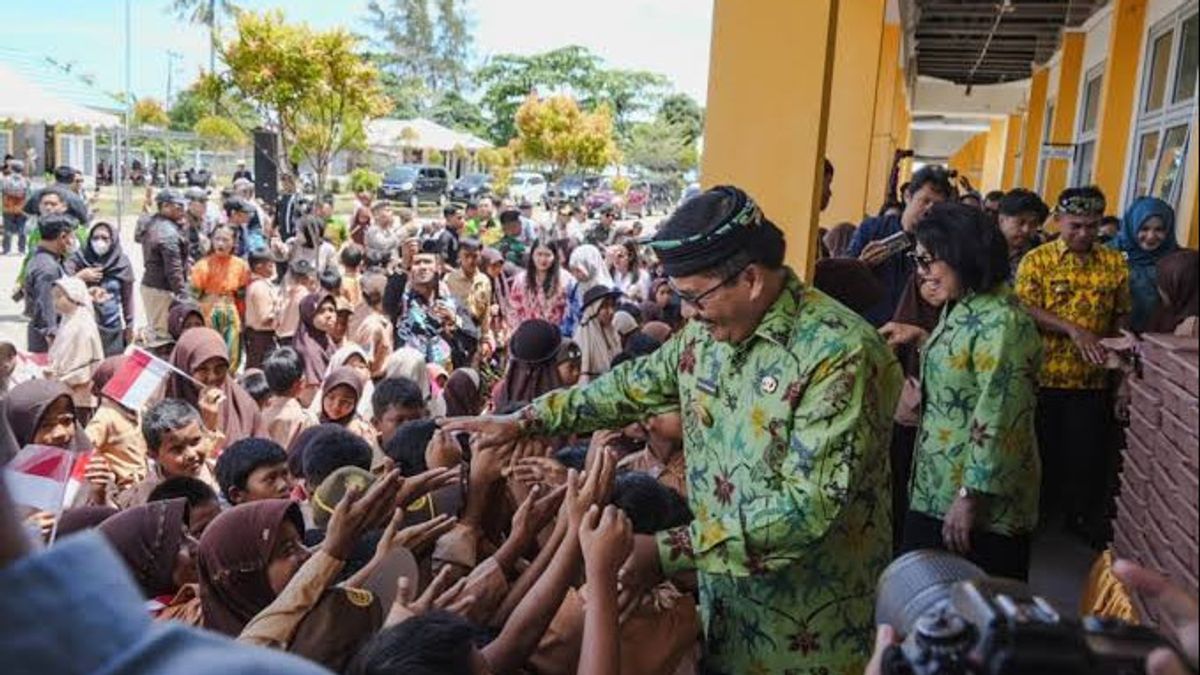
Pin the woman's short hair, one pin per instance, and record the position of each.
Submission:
(967, 240)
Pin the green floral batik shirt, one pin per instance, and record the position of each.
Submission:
(979, 375)
(786, 443)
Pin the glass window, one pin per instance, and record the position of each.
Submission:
(1048, 122)
(1091, 103)
(1160, 61)
(1147, 151)
(1185, 71)
(1085, 157)
(1170, 159)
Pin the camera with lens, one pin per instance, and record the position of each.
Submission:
(956, 619)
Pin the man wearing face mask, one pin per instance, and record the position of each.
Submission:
(430, 320)
(878, 242)
(165, 253)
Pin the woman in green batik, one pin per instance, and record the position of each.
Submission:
(976, 471)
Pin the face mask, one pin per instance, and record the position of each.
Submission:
(100, 247)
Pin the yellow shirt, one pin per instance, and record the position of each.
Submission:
(116, 436)
(1091, 293)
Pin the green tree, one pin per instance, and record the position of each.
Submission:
(556, 131)
(204, 12)
(682, 111)
(626, 92)
(456, 112)
(659, 146)
(220, 133)
(194, 103)
(422, 54)
(310, 86)
(148, 112)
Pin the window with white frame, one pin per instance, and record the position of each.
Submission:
(1047, 134)
(1165, 108)
(1085, 137)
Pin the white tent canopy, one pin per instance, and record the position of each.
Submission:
(390, 134)
(24, 102)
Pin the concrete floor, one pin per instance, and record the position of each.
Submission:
(1059, 569)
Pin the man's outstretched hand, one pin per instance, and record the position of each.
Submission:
(487, 432)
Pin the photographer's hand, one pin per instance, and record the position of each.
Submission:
(1182, 612)
(885, 636)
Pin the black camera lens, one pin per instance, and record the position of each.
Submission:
(918, 582)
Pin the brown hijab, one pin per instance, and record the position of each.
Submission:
(84, 518)
(463, 393)
(849, 281)
(240, 416)
(234, 553)
(148, 539)
(28, 403)
(914, 311)
(1178, 277)
(313, 345)
(342, 375)
(179, 314)
(837, 240)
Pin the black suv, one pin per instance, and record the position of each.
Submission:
(471, 186)
(414, 184)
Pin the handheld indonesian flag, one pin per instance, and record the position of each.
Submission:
(138, 379)
(45, 478)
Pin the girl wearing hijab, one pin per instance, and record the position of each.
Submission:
(597, 338)
(663, 305)
(318, 313)
(1178, 281)
(1147, 234)
(184, 315)
(532, 364)
(201, 352)
(220, 280)
(115, 431)
(253, 558)
(410, 363)
(157, 547)
(355, 357)
(114, 313)
(589, 269)
(341, 393)
(463, 395)
(538, 292)
(77, 349)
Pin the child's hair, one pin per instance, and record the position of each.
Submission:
(433, 643)
(352, 256)
(194, 490)
(240, 459)
(283, 368)
(257, 256)
(399, 392)
(254, 381)
(332, 449)
(7, 351)
(573, 456)
(651, 506)
(164, 417)
(330, 279)
(407, 447)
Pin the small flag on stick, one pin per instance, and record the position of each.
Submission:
(138, 379)
(38, 476)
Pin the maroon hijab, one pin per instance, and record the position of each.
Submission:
(342, 375)
(148, 539)
(234, 553)
(1177, 274)
(313, 345)
(240, 416)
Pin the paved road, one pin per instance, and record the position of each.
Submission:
(12, 320)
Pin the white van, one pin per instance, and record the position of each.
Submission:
(527, 185)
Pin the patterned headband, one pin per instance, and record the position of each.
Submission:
(1081, 205)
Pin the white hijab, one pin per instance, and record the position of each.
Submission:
(339, 359)
(77, 348)
(591, 259)
(598, 343)
(409, 363)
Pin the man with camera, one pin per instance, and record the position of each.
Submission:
(430, 320)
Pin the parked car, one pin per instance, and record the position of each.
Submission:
(601, 196)
(471, 186)
(570, 190)
(526, 185)
(414, 184)
(637, 200)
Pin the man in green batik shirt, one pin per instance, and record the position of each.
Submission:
(787, 400)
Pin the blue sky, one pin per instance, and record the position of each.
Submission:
(665, 36)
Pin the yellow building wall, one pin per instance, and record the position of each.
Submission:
(1034, 118)
(1011, 148)
(1118, 98)
(852, 107)
(969, 158)
(770, 68)
(902, 125)
(884, 139)
(993, 156)
(1063, 124)
(1188, 221)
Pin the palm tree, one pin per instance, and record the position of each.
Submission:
(204, 12)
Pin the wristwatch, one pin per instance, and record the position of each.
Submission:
(965, 492)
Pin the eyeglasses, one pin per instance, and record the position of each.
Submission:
(697, 301)
(923, 261)
(749, 215)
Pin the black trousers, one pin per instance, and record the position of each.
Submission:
(997, 554)
(1075, 429)
(904, 441)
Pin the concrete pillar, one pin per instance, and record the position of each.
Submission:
(769, 77)
(1118, 98)
(852, 107)
(993, 156)
(883, 139)
(1063, 124)
(1012, 145)
(1032, 151)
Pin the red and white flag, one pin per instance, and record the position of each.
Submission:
(40, 476)
(138, 378)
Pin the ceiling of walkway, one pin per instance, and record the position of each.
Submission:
(977, 42)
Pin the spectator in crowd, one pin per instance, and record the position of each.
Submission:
(1147, 235)
(113, 298)
(1179, 293)
(165, 255)
(589, 269)
(220, 280)
(538, 291)
(1021, 214)
(1078, 292)
(77, 349)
